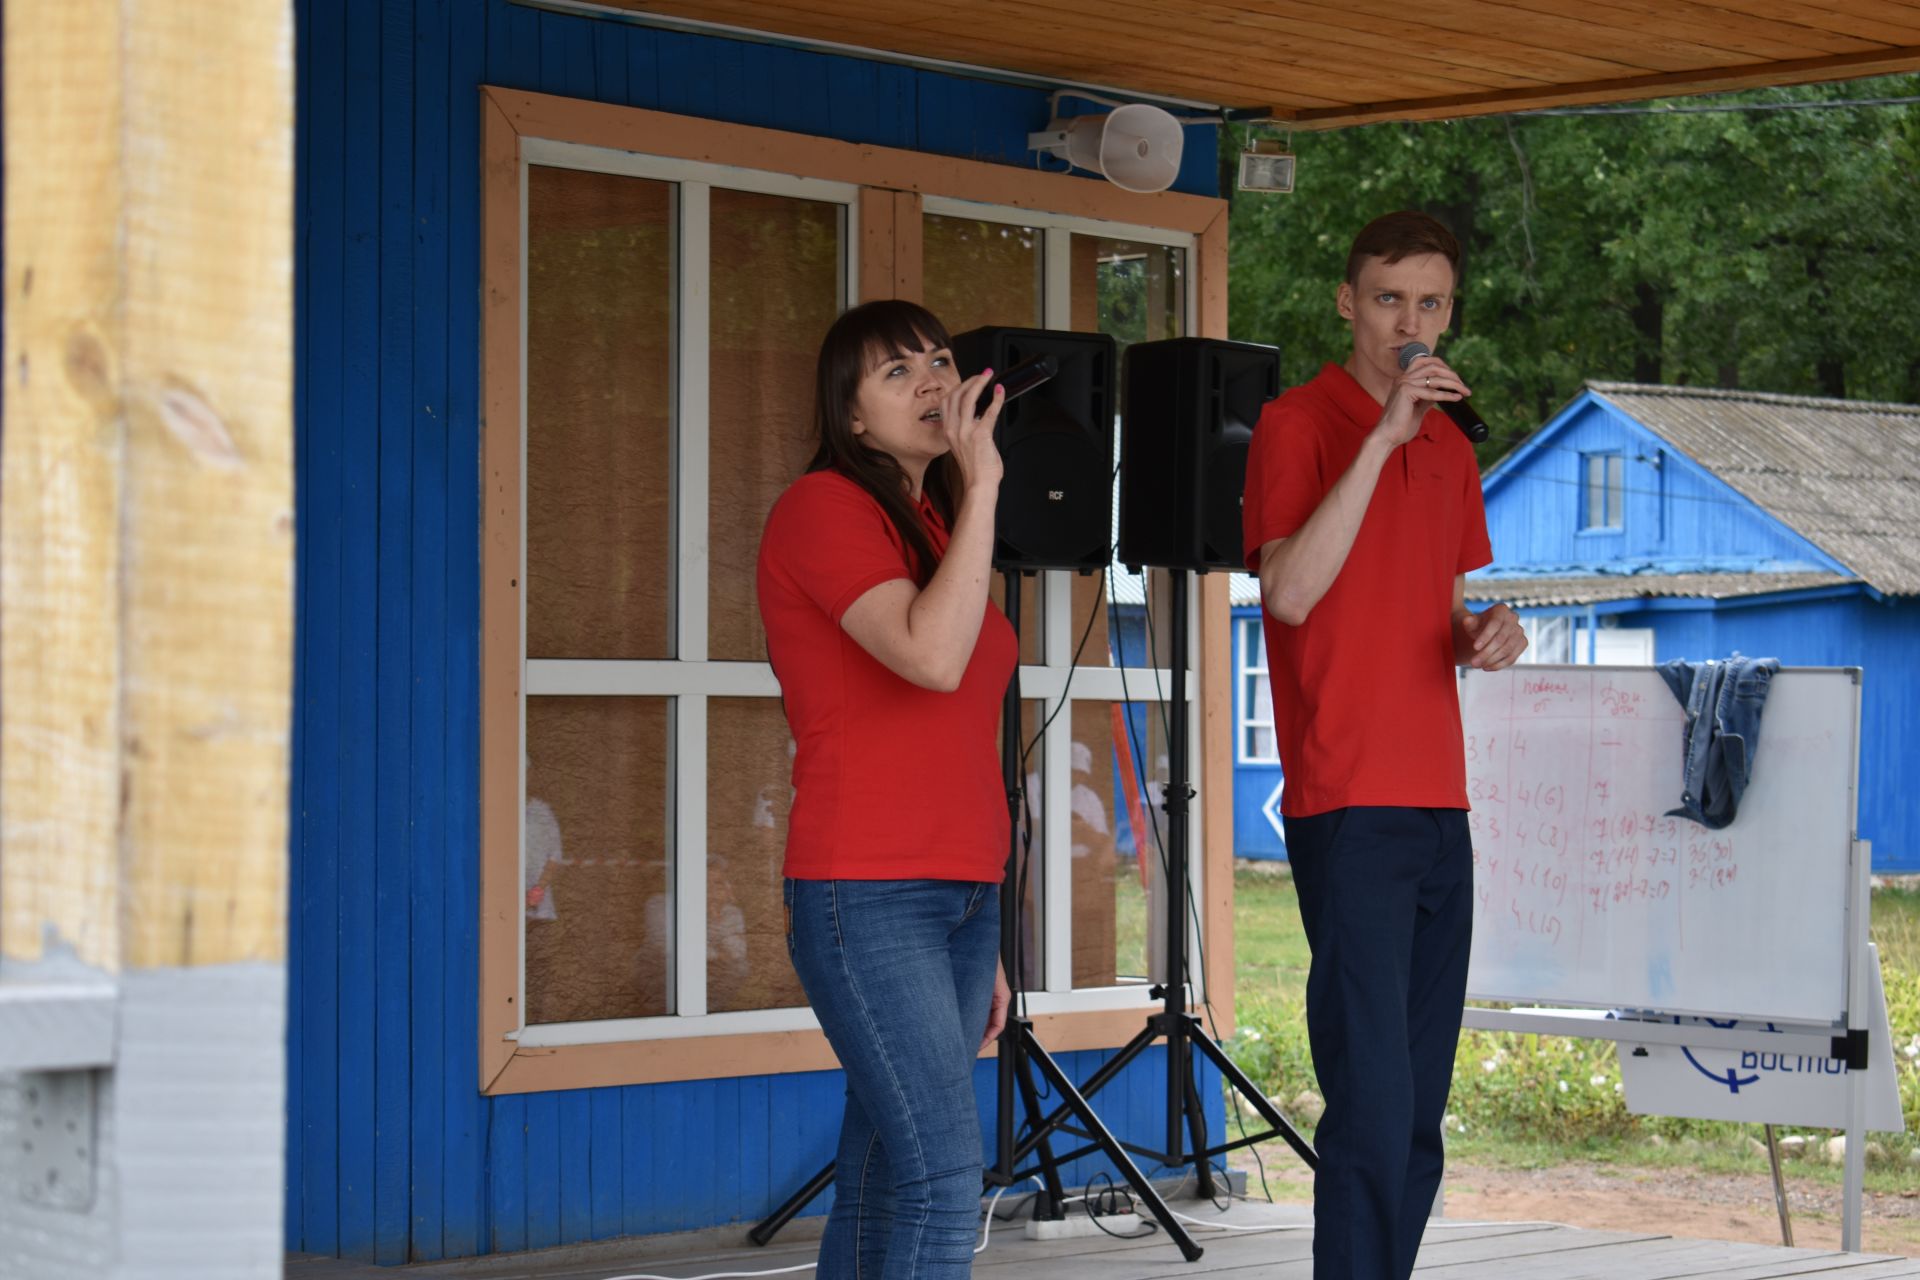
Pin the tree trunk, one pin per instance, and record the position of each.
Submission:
(1649, 314)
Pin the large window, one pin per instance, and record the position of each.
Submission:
(672, 311)
(1600, 507)
(651, 329)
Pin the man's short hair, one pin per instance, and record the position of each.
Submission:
(1394, 236)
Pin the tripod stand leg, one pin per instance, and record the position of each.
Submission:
(1116, 1153)
(1196, 1130)
(1251, 1092)
(1056, 1194)
(795, 1203)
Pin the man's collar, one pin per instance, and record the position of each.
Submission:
(1359, 407)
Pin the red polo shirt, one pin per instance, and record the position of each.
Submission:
(891, 781)
(1365, 706)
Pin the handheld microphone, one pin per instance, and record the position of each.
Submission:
(1019, 380)
(1464, 416)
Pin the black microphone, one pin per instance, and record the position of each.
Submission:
(1019, 380)
(1471, 424)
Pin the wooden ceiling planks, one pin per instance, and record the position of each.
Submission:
(1323, 63)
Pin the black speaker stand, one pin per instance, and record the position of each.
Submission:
(1020, 1051)
(1181, 1029)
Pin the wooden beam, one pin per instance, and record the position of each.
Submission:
(502, 894)
(146, 523)
(1214, 723)
(1879, 62)
(660, 133)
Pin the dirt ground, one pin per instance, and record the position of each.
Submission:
(1707, 1206)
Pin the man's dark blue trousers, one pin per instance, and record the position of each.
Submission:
(1386, 895)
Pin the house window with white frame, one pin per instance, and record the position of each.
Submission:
(669, 310)
(1601, 491)
(1254, 733)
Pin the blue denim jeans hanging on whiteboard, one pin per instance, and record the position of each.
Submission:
(1721, 734)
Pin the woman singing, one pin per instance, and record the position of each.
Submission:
(892, 663)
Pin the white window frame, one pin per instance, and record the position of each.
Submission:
(1250, 712)
(1613, 491)
(690, 679)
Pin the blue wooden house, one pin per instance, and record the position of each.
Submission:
(1644, 523)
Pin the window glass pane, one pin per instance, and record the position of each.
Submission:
(976, 274)
(599, 310)
(749, 794)
(1549, 640)
(1032, 617)
(776, 280)
(1134, 292)
(1115, 853)
(981, 273)
(599, 914)
(1615, 465)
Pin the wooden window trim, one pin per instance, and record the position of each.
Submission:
(893, 183)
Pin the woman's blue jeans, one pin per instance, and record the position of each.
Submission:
(900, 974)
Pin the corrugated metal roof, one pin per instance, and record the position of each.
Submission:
(1844, 474)
(1242, 588)
(1601, 588)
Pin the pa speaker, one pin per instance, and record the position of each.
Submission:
(1056, 442)
(1191, 406)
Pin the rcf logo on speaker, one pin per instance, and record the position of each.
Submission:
(1056, 495)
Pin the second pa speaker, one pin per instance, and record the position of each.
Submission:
(1056, 442)
(1189, 406)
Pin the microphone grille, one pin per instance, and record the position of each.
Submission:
(1413, 351)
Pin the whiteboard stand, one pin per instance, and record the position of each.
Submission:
(1860, 955)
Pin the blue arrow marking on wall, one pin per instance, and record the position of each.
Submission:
(1271, 809)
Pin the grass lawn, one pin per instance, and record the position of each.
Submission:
(1531, 1101)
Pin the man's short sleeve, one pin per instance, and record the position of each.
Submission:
(832, 542)
(1284, 480)
(1476, 549)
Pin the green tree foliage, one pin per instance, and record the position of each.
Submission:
(1773, 250)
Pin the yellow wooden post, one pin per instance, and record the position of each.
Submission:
(146, 540)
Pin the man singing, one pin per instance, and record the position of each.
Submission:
(1362, 515)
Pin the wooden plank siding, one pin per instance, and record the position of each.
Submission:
(1320, 63)
(394, 1154)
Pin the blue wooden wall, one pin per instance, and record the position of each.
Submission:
(392, 1154)
(1676, 512)
(1679, 517)
(1882, 636)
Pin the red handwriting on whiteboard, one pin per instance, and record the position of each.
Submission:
(1620, 703)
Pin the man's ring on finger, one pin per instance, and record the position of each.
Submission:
(1428, 382)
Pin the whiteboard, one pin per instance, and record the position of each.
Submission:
(1587, 894)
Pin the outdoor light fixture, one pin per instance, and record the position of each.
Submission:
(1267, 165)
(1135, 147)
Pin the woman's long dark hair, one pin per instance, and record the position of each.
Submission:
(885, 328)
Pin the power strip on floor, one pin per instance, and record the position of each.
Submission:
(1081, 1223)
